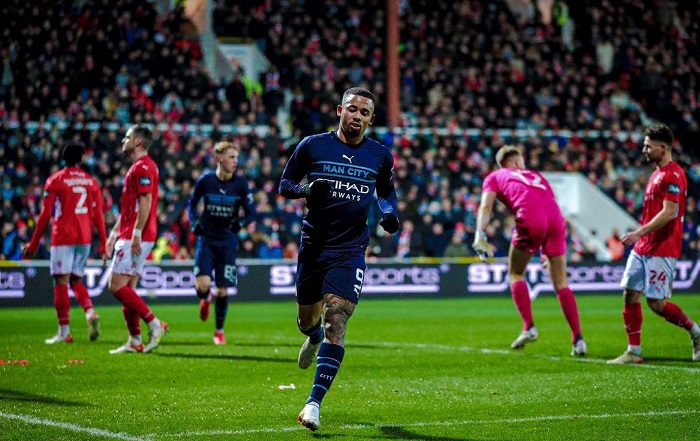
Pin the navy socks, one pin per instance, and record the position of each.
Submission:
(328, 362)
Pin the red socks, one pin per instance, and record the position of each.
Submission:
(570, 309)
(133, 321)
(521, 297)
(61, 302)
(81, 295)
(673, 314)
(632, 315)
(132, 301)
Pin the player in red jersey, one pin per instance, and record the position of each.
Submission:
(539, 224)
(72, 199)
(132, 239)
(651, 264)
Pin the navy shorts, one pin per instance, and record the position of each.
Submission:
(336, 272)
(218, 256)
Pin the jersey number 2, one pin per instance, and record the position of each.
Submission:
(529, 178)
(80, 207)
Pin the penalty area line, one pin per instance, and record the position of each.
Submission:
(537, 419)
(71, 427)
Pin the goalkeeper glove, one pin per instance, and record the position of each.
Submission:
(481, 245)
(318, 190)
(390, 223)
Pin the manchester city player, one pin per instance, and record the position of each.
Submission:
(223, 194)
(343, 169)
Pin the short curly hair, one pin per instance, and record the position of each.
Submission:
(72, 153)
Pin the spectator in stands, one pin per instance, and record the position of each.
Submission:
(12, 240)
(529, 81)
(270, 248)
(616, 249)
(436, 240)
(457, 246)
(382, 244)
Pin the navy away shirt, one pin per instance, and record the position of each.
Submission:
(356, 172)
(222, 201)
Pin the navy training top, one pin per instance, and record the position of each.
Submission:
(222, 201)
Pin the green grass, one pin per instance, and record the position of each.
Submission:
(414, 369)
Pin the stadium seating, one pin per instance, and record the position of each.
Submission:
(464, 64)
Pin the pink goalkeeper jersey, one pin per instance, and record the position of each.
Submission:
(539, 223)
(666, 183)
(526, 193)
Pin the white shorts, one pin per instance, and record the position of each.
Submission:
(123, 262)
(69, 259)
(651, 275)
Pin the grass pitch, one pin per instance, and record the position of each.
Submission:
(414, 369)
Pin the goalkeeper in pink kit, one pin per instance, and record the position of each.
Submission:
(539, 224)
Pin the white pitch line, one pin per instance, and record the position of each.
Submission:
(438, 423)
(544, 357)
(71, 427)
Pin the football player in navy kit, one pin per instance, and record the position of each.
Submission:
(223, 194)
(343, 170)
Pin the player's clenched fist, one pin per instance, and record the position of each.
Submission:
(318, 190)
(390, 223)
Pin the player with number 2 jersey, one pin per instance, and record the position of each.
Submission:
(539, 224)
(72, 198)
(538, 219)
(73, 201)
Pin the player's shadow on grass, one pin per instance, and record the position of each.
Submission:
(227, 357)
(169, 342)
(672, 359)
(14, 395)
(269, 344)
(242, 344)
(394, 432)
(398, 432)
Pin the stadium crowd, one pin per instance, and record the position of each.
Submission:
(464, 64)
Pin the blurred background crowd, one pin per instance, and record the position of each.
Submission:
(593, 67)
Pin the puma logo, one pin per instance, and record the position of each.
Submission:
(349, 158)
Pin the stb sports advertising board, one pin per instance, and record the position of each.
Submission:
(30, 284)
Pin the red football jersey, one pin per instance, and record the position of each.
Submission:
(141, 178)
(73, 199)
(666, 183)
